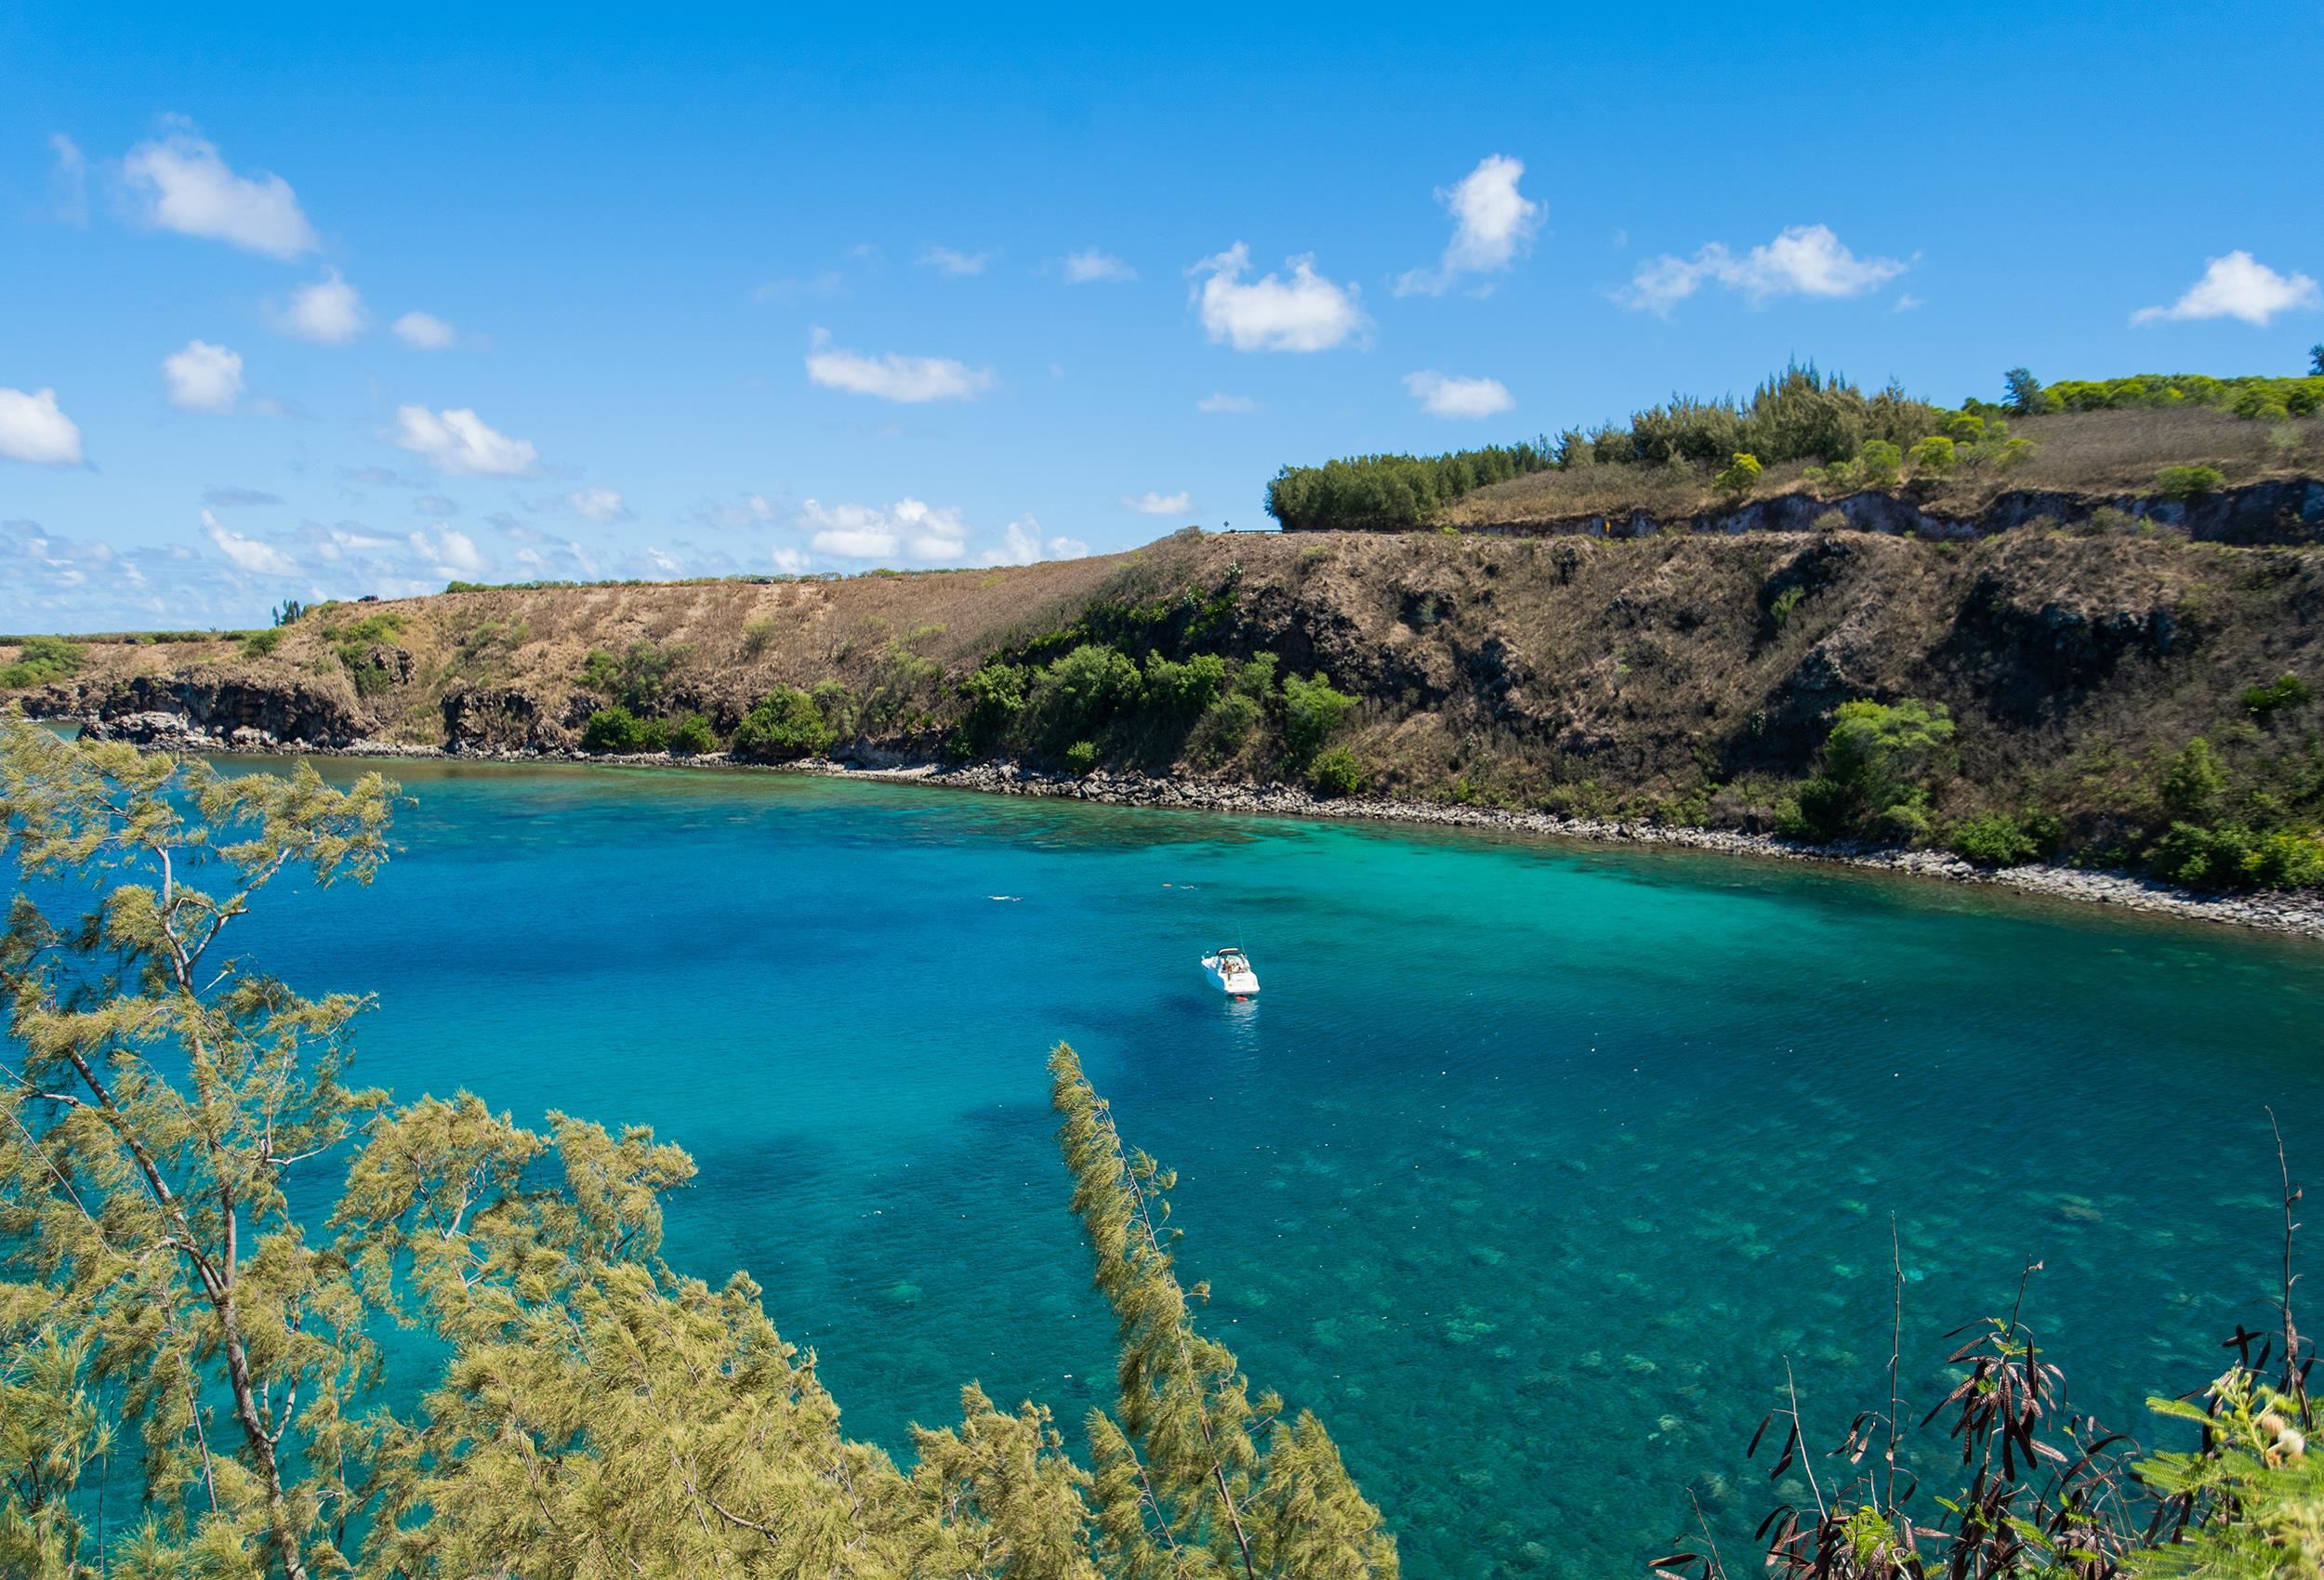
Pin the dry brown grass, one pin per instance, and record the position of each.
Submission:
(2091, 452)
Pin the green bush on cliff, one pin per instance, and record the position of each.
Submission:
(2007, 839)
(261, 644)
(2187, 484)
(1311, 711)
(1337, 772)
(40, 660)
(689, 736)
(616, 729)
(2285, 690)
(785, 724)
(1878, 761)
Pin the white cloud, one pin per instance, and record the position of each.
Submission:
(227, 495)
(457, 440)
(1805, 261)
(425, 331)
(184, 186)
(249, 553)
(1493, 226)
(1304, 313)
(1022, 544)
(944, 260)
(891, 378)
(911, 528)
(790, 559)
(599, 503)
(1906, 302)
(830, 283)
(69, 181)
(2236, 286)
(203, 377)
(329, 311)
(452, 555)
(1153, 504)
(32, 430)
(1092, 266)
(1223, 403)
(1447, 396)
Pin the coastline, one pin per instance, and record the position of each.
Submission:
(2296, 913)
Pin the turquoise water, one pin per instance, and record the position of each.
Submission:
(1529, 1169)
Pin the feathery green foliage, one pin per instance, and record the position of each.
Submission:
(159, 1100)
(1394, 490)
(171, 1293)
(1195, 1478)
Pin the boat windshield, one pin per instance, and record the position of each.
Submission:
(1232, 960)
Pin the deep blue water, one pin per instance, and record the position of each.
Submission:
(1529, 1170)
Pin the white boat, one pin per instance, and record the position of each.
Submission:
(1229, 970)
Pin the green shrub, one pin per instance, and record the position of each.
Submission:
(2194, 785)
(40, 660)
(1874, 763)
(2001, 839)
(616, 729)
(2233, 855)
(638, 678)
(1394, 490)
(1080, 758)
(1084, 691)
(2285, 690)
(1311, 710)
(1741, 476)
(1256, 677)
(260, 644)
(691, 735)
(1228, 724)
(2189, 483)
(1786, 601)
(1934, 456)
(757, 634)
(785, 724)
(1336, 772)
(1183, 690)
(1879, 464)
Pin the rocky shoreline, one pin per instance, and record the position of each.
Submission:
(2298, 912)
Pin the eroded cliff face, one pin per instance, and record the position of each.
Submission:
(1654, 667)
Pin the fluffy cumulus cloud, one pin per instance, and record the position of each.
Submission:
(34, 430)
(179, 183)
(458, 442)
(1447, 396)
(450, 554)
(2236, 286)
(1304, 313)
(329, 312)
(1805, 261)
(1493, 226)
(601, 505)
(947, 260)
(1153, 504)
(248, 554)
(1225, 404)
(1094, 267)
(203, 377)
(1022, 544)
(425, 331)
(910, 380)
(910, 529)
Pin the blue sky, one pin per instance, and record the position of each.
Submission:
(730, 293)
